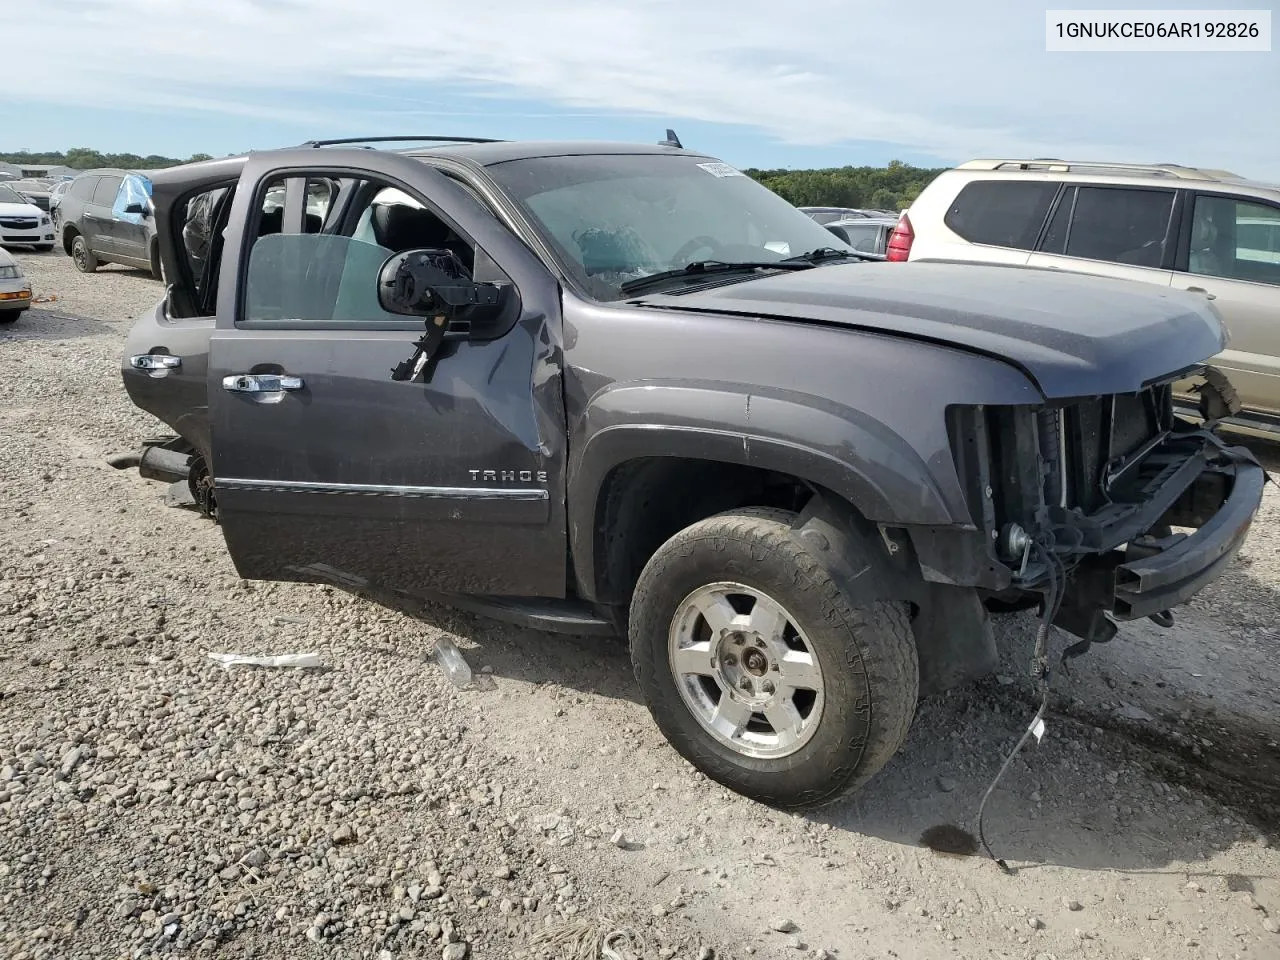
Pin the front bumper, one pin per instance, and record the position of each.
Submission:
(1167, 571)
(33, 238)
(1177, 517)
(36, 236)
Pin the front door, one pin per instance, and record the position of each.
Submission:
(98, 224)
(129, 230)
(1232, 254)
(337, 472)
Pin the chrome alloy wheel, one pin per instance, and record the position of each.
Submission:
(745, 670)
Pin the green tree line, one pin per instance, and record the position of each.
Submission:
(880, 188)
(83, 158)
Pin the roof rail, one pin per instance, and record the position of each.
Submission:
(1171, 170)
(343, 140)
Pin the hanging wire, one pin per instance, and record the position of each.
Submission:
(1040, 670)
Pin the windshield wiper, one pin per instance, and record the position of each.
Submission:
(699, 267)
(823, 254)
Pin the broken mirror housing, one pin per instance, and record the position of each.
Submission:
(433, 282)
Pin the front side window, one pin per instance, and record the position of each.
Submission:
(1001, 213)
(134, 190)
(319, 278)
(614, 219)
(1120, 225)
(1235, 239)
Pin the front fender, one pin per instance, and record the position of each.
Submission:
(829, 445)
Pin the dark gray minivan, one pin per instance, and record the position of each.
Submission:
(106, 217)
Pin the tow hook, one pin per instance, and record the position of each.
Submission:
(1162, 618)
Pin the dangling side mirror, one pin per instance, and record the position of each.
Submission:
(434, 282)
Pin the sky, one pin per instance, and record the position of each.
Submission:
(785, 83)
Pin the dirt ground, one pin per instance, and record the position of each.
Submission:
(153, 803)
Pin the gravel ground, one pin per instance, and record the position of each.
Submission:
(154, 803)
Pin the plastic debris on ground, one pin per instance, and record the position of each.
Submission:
(179, 495)
(229, 660)
(452, 662)
(581, 940)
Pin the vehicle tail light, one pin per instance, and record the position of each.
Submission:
(899, 248)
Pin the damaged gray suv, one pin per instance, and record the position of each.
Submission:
(618, 388)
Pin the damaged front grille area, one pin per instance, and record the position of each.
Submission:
(1058, 469)
(1102, 433)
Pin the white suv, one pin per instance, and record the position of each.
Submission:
(1202, 230)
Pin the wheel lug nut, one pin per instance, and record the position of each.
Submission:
(739, 639)
(744, 683)
(767, 687)
(730, 659)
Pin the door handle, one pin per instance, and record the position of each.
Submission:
(260, 383)
(155, 365)
(1207, 294)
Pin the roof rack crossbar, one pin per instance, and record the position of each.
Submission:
(342, 140)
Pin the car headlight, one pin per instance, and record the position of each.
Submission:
(10, 273)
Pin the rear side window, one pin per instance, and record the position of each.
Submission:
(867, 237)
(1120, 225)
(105, 192)
(1001, 213)
(82, 187)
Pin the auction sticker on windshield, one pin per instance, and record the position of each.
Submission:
(721, 170)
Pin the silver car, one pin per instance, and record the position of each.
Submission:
(15, 289)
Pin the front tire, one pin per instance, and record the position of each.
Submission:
(9, 316)
(760, 671)
(82, 256)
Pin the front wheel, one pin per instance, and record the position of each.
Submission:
(760, 671)
(9, 316)
(82, 256)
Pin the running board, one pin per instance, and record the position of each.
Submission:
(553, 616)
(1267, 423)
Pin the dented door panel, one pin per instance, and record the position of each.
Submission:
(410, 485)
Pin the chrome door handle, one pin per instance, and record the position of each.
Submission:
(1207, 294)
(260, 383)
(155, 365)
(155, 361)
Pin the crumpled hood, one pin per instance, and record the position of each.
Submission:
(1073, 335)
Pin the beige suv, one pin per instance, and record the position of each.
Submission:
(1203, 230)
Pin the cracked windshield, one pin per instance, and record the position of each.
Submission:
(618, 219)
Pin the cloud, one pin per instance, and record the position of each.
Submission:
(934, 76)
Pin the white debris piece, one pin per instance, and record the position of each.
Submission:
(229, 660)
